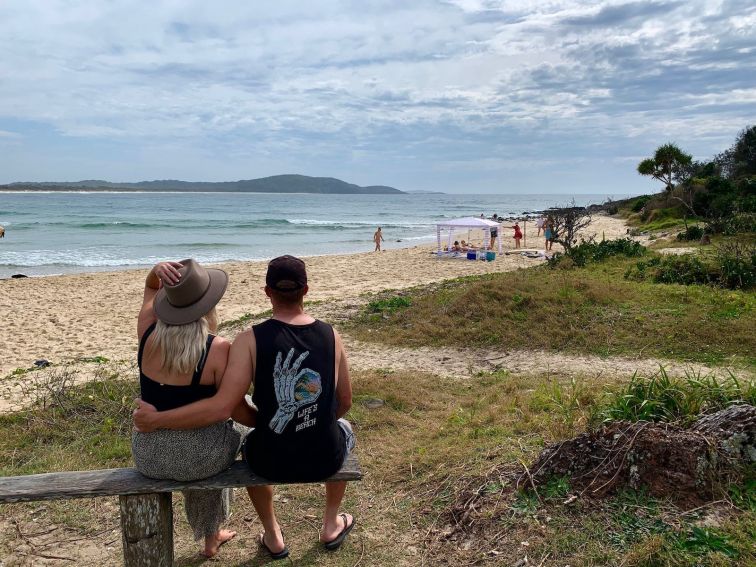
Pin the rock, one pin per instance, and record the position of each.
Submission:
(18, 276)
(734, 428)
(41, 363)
(373, 403)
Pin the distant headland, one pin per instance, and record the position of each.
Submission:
(274, 184)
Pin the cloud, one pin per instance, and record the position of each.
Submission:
(336, 85)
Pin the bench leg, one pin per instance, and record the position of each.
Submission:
(147, 527)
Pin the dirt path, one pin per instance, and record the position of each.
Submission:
(463, 363)
(17, 392)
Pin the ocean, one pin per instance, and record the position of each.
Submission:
(72, 232)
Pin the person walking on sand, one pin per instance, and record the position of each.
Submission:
(2, 232)
(180, 361)
(378, 238)
(301, 389)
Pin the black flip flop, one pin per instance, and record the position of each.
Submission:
(283, 554)
(336, 542)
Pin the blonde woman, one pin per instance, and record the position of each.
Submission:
(180, 362)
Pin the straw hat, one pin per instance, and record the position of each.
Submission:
(195, 294)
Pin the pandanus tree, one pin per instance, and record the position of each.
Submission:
(669, 165)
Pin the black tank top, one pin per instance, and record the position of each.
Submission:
(167, 396)
(297, 438)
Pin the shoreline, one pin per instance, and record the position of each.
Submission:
(62, 318)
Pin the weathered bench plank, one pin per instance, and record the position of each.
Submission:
(113, 482)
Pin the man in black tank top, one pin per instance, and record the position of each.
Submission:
(302, 390)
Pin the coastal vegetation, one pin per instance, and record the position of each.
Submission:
(719, 193)
(564, 307)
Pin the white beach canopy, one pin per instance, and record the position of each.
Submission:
(469, 223)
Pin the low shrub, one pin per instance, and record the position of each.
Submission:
(737, 265)
(732, 225)
(685, 269)
(639, 203)
(732, 267)
(587, 252)
(693, 232)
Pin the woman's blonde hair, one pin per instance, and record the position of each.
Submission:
(181, 346)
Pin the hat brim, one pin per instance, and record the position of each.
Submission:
(172, 315)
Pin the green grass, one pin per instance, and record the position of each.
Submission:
(70, 427)
(658, 219)
(662, 398)
(441, 458)
(587, 310)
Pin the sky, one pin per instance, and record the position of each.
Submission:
(460, 96)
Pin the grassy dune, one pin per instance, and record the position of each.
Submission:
(590, 310)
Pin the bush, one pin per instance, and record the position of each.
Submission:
(691, 233)
(732, 267)
(639, 203)
(731, 225)
(737, 265)
(685, 269)
(597, 251)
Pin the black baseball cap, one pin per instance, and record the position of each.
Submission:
(286, 273)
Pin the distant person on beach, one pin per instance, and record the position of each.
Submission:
(301, 389)
(517, 234)
(378, 238)
(2, 232)
(540, 221)
(548, 232)
(494, 234)
(181, 361)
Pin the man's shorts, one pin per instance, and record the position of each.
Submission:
(348, 434)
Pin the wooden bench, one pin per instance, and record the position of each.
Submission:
(145, 503)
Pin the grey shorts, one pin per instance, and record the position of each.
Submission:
(349, 437)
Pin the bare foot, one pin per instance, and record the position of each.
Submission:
(213, 542)
(331, 531)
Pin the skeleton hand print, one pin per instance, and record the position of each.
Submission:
(294, 388)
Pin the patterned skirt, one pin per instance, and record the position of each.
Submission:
(193, 454)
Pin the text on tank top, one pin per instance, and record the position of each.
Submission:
(297, 435)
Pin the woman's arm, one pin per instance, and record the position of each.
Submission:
(343, 381)
(167, 272)
(245, 413)
(221, 406)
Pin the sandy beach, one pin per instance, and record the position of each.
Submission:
(63, 318)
